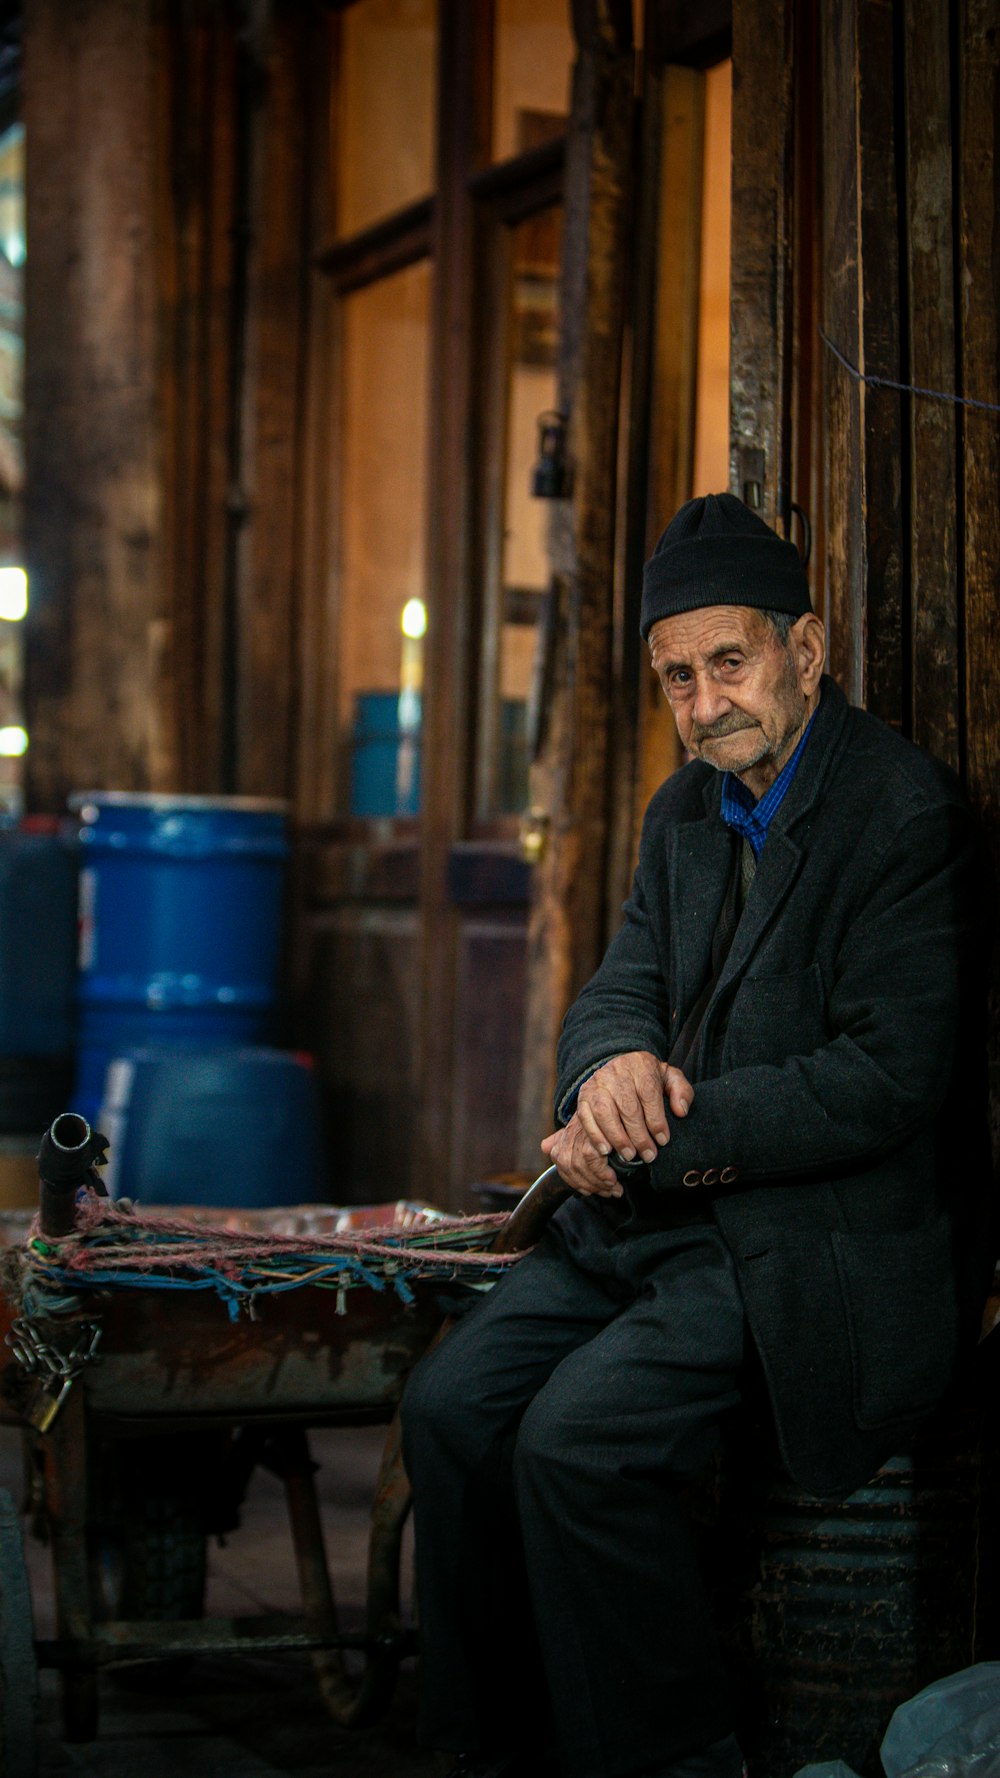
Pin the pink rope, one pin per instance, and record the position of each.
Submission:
(192, 1244)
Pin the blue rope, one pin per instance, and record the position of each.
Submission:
(232, 1291)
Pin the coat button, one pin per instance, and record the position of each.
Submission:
(712, 1177)
(728, 1174)
(692, 1178)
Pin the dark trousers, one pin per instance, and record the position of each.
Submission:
(547, 1438)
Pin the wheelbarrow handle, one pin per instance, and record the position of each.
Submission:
(529, 1217)
(69, 1154)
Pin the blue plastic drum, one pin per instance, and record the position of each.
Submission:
(180, 917)
(230, 1127)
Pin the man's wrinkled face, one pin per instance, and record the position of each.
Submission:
(739, 695)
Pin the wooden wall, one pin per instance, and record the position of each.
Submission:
(865, 211)
(912, 281)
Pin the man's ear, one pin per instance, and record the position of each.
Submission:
(807, 639)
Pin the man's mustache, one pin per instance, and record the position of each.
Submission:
(726, 725)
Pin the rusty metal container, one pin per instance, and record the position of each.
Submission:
(845, 1609)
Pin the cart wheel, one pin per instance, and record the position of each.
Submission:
(18, 1671)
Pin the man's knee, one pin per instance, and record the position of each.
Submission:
(426, 1402)
(553, 1440)
(439, 1412)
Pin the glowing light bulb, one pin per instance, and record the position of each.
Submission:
(13, 742)
(13, 594)
(414, 619)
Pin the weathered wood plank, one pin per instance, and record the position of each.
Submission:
(881, 409)
(932, 431)
(568, 921)
(761, 266)
(978, 150)
(842, 322)
(865, 565)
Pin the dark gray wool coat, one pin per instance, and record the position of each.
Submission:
(838, 1112)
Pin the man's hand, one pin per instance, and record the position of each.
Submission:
(580, 1163)
(619, 1108)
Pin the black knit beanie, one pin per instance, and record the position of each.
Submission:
(717, 552)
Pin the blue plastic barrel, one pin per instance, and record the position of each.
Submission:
(385, 754)
(180, 915)
(233, 1127)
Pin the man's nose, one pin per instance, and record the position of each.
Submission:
(710, 702)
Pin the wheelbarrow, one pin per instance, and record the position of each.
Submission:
(159, 1396)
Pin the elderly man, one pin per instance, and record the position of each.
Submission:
(770, 1121)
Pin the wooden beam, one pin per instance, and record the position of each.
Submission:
(376, 252)
(571, 782)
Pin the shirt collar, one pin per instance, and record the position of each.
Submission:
(753, 819)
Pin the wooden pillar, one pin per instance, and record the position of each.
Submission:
(169, 184)
(465, 70)
(664, 374)
(198, 173)
(268, 590)
(567, 929)
(99, 640)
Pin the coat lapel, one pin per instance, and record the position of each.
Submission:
(701, 854)
(777, 868)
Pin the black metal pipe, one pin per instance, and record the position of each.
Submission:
(69, 1152)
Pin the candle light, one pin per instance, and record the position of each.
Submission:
(413, 624)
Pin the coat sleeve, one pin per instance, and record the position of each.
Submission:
(893, 1011)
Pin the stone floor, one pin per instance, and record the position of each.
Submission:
(252, 1717)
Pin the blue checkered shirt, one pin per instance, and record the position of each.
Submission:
(752, 819)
